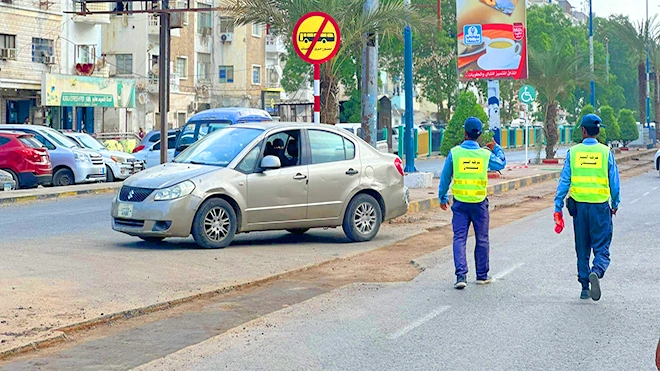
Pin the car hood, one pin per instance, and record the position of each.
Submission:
(169, 174)
(108, 154)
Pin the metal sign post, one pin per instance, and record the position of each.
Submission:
(527, 95)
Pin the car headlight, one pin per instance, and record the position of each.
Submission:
(119, 160)
(175, 191)
(82, 157)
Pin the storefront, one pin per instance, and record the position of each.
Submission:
(18, 104)
(71, 101)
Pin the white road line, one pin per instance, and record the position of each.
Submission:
(646, 194)
(417, 323)
(654, 188)
(635, 200)
(505, 272)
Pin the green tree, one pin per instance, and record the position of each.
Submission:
(611, 124)
(555, 72)
(352, 109)
(628, 125)
(389, 18)
(455, 134)
(577, 130)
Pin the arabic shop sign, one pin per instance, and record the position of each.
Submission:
(83, 91)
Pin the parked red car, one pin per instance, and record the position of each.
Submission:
(25, 159)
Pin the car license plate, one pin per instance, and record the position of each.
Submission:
(7, 187)
(125, 211)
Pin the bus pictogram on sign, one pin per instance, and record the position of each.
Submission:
(316, 37)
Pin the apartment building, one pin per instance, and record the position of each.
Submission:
(29, 47)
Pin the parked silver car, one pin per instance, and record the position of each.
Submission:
(264, 176)
(119, 165)
(7, 182)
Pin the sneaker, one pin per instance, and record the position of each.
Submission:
(595, 286)
(460, 283)
(585, 294)
(484, 281)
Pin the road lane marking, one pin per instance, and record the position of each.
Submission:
(654, 188)
(418, 322)
(635, 200)
(505, 272)
(646, 194)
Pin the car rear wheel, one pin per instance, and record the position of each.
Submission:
(215, 224)
(362, 219)
(15, 177)
(298, 231)
(151, 239)
(110, 176)
(63, 177)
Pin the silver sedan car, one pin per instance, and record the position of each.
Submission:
(264, 176)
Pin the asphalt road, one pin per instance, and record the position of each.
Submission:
(530, 318)
(513, 158)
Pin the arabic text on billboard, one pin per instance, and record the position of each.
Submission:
(492, 39)
(83, 91)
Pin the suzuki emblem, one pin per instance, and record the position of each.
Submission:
(131, 194)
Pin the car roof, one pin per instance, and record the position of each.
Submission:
(16, 134)
(230, 113)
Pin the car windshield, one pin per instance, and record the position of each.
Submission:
(90, 142)
(188, 135)
(220, 147)
(59, 138)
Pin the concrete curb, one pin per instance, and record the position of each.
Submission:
(433, 203)
(58, 194)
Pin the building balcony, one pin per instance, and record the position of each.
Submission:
(92, 18)
(274, 45)
(175, 81)
(154, 25)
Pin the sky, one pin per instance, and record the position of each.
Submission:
(635, 9)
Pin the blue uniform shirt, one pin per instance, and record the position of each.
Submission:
(565, 179)
(497, 162)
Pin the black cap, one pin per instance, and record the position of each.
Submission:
(591, 121)
(473, 125)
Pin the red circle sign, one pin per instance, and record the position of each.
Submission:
(316, 37)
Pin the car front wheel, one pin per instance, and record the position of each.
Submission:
(215, 224)
(362, 219)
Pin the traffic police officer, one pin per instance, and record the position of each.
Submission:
(591, 175)
(469, 165)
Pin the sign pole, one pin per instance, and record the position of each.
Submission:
(526, 134)
(317, 93)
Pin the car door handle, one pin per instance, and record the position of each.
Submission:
(351, 171)
(300, 177)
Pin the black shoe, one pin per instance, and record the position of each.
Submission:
(595, 286)
(585, 294)
(460, 283)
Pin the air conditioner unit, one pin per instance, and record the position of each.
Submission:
(4, 54)
(194, 106)
(206, 31)
(227, 37)
(49, 59)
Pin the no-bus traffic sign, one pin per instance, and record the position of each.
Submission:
(316, 37)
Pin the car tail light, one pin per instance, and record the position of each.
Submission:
(399, 165)
(138, 148)
(31, 154)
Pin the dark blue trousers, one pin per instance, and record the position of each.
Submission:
(593, 232)
(477, 215)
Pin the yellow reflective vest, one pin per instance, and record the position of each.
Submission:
(470, 174)
(590, 182)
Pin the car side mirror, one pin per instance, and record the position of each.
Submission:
(271, 162)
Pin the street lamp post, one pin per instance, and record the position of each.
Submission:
(592, 84)
(648, 85)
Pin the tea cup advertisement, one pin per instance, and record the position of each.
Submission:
(492, 39)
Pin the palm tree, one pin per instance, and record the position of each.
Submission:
(555, 73)
(281, 16)
(638, 36)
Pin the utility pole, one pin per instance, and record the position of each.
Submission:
(607, 60)
(409, 143)
(592, 84)
(370, 80)
(164, 77)
(648, 85)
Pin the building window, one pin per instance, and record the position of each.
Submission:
(122, 7)
(256, 30)
(7, 41)
(204, 19)
(226, 74)
(181, 118)
(124, 64)
(41, 49)
(203, 66)
(85, 54)
(256, 75)
(182, 67)
(226, 24)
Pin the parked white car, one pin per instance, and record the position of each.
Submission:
(656, 161)
(150, 154)
(119, 165)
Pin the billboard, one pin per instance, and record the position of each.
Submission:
(84, 91)
(492, 39)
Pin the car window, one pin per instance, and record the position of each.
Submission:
(44, 141)
(330, 147)
(219, 148)
(248, 163)
(171, 141)
(286, 146)
(154, 138)
(3, 141)
(30, 142)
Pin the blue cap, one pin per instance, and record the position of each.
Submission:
(473, 125)
(591, 121)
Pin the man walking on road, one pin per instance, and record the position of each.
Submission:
(468, 164)
(591, 175)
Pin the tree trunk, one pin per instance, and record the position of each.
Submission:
(641, 82)
(550, 130)
(329, 92)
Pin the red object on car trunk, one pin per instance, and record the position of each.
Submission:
(25, 159)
